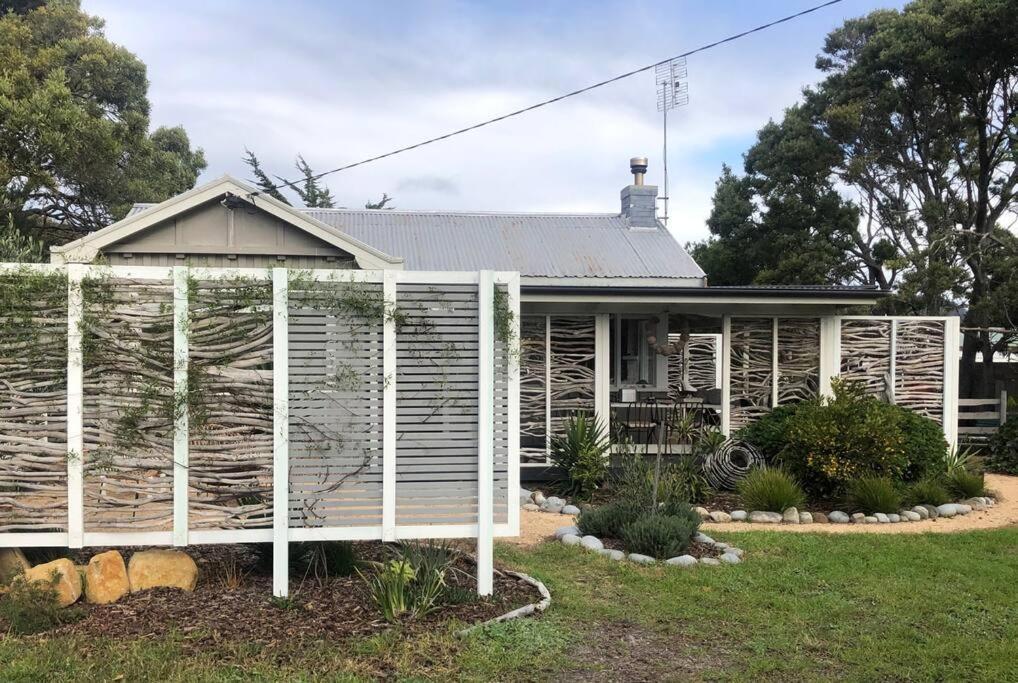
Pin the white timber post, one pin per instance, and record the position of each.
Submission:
(75, 399)
(774, 363)
(547, 389)
(726, 375)
(389, 406)
(892, 389)
(281, 434)
(830, 352)
(602, 362)
(514, 350)
(181, 406)
(952, 347)
(485, 433)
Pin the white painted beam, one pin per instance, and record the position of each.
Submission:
(485, 434)
(726, 375)
(75, 408)
(514, 350)
(181, 427)
(281, 433)
(389, 295)
(952, 349)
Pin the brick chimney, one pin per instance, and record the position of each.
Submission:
(639, 201)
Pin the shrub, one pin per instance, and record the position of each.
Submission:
(31, 607)
(928, 491)
(770, 489)
(957, 459)
(964, 484)
(658, 535)
(768, 434)
(582, 453)
(323, 559)
(413, 582)
(925, 447)
(1003, 449)
(609, 519)
(833, 441)
(874, 494)
(682, 511)
(681, 481)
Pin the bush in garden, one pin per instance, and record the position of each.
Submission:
(964, 484)
(925, 447)
(582, 453)
(928, 491)
(681, 481)
(31, 607)
(832, 441)
(658, 535)
(411, 583)
(609, 519)
(770, 489)
(1003, 449)
(768, 434)
(873, 494)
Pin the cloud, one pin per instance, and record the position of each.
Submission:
(435, 184)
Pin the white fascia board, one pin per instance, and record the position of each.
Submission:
(85, 249)
(679, 298)
(621, 282)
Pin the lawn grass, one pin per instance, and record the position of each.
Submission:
(802, 607)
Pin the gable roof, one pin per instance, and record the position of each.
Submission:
(142, 217)
(542, 247)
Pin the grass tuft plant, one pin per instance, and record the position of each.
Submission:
(873, 494)
(929, 491)
(582, 453)
(964, 484)
(658, 535)
(770, 489)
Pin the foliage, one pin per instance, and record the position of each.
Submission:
(926, 450)
(17, 247)
(957, 458)
(928, 491)
(413, 582)
(75, 149)
(1003, 449)
(582, 454)
(659, 535)
(32, 607)
(680, 481)
(324, 559)
(609, 519)
(964, 484)
(832, 441)
(768, 433)
(873, 494)
(309, 188)
(770, 489)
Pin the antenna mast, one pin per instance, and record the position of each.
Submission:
(672, 92)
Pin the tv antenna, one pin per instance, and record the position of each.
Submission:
(672, 92)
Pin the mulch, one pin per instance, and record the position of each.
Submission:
(336, 608)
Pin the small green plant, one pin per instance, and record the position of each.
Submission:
(327, 558)
(390, 588)
(1003, 449)
(957, 458)
(413, 582)
(31, 607)
(964, 484)
(582, 453)
(659, 535)
(928, 491)
(873, 494)
(609, 519)
(287, 603)
(770, 489)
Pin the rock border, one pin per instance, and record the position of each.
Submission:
(918, 513)
(519, 612)
(570, 535)
(536, 501)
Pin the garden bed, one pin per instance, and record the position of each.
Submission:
(334, 608)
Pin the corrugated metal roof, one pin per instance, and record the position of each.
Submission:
(536, 245)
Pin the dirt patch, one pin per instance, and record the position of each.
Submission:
(537, 527)
(1003, 514)
(336, 608)
(625, 651)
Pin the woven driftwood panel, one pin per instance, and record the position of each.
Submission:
(335, 394)
(751, 369)
(798, 359)
(866, 354)
(572, 368)
(33, 402)
(229, 403)
(919, 367)
(703, 358)
(128, 406)
(533, 390)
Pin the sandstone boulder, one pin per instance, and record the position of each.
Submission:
(162, 569)
(62, 575)
(106, 578)
(12, 563)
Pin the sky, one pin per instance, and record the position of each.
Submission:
(342, 81)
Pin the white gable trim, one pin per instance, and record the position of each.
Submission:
(85, 249)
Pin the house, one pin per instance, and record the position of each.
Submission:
(616, 317)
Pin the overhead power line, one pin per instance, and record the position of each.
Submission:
(574, 93)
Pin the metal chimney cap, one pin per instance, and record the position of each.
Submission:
(638, 164)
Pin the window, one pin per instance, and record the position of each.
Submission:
(634, 360)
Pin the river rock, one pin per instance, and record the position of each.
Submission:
(682, 561)
(947, 510)
(911, 515)
(612, 554)
(805, 517)
(870, 519)
(858, 518)
(570, 539)
(736, 551)
(881, 517)
(977, 504)
(591, 543)
(702, 511)
(162, 569)
(532, 507)
(932, 511)
(710, 561)
(820, 518)
(839, 517)
(553, 501)
(106, 578)
(720, 516)
(538, 498)
(62, 575)
(563, 530)
(730, 558)
(763, 517)
(703, 538)
(894, 518)
(921, 511)
(739, 515)
(641, 559)
(790, 516)
(570, 510)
